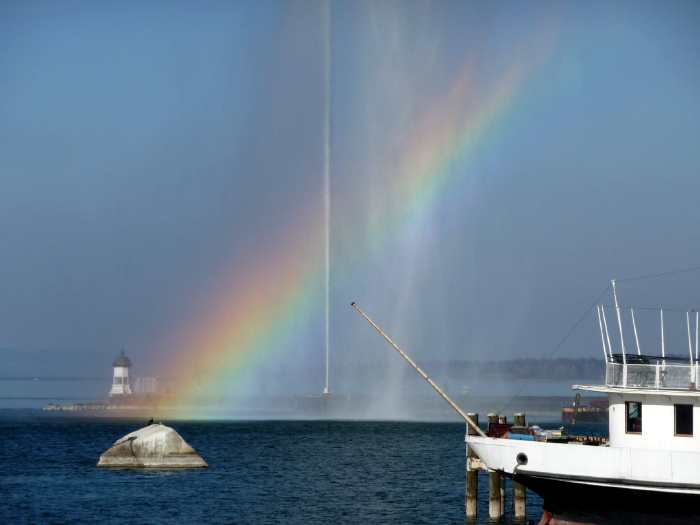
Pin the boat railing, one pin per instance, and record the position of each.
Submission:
(655, 374)
(636, 370)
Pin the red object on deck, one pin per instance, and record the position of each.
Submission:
(498, 430)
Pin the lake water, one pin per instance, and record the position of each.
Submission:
(291, 472)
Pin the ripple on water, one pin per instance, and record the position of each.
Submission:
(261, 472)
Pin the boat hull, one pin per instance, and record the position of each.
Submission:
(593, 502)
(600, 484)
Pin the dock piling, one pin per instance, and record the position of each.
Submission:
(473, 463)
(503, 494)
(518, 501)
(519, 492)
(472, 477)
(495, 506)
(495, 482)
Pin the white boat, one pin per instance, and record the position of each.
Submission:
(649, 470)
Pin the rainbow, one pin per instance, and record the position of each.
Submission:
(257, 310)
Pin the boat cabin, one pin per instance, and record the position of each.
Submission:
(654, 401)
(644, 416)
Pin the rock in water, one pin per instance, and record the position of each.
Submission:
(154, 446)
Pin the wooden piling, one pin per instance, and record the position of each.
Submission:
(503, 495)
(518, 501)
(472, 477)
(519, 492)
(495, 507)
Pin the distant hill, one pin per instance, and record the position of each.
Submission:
(525, 368)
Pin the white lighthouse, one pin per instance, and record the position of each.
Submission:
(120, 382)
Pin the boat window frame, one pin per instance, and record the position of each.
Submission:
(675, 419)
(627, 418)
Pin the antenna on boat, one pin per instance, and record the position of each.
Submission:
(663, 342)
(410, 361)
(697, 316)
(636, 337)
(602, 335)
(690, 340)
(607, 334)
(619, 322)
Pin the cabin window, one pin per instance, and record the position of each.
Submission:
(633, 412)
(684, 420)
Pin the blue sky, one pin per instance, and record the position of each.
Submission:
(145, 148)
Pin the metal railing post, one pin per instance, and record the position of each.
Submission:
(656, 377)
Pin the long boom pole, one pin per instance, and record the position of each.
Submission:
(410, 361)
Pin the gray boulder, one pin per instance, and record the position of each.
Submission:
(154, 446)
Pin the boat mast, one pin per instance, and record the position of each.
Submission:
(619, 322)
(697, 314)
(636, 337)
(607, 333)
(602, 335)
(663, 342)
(690, 340)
